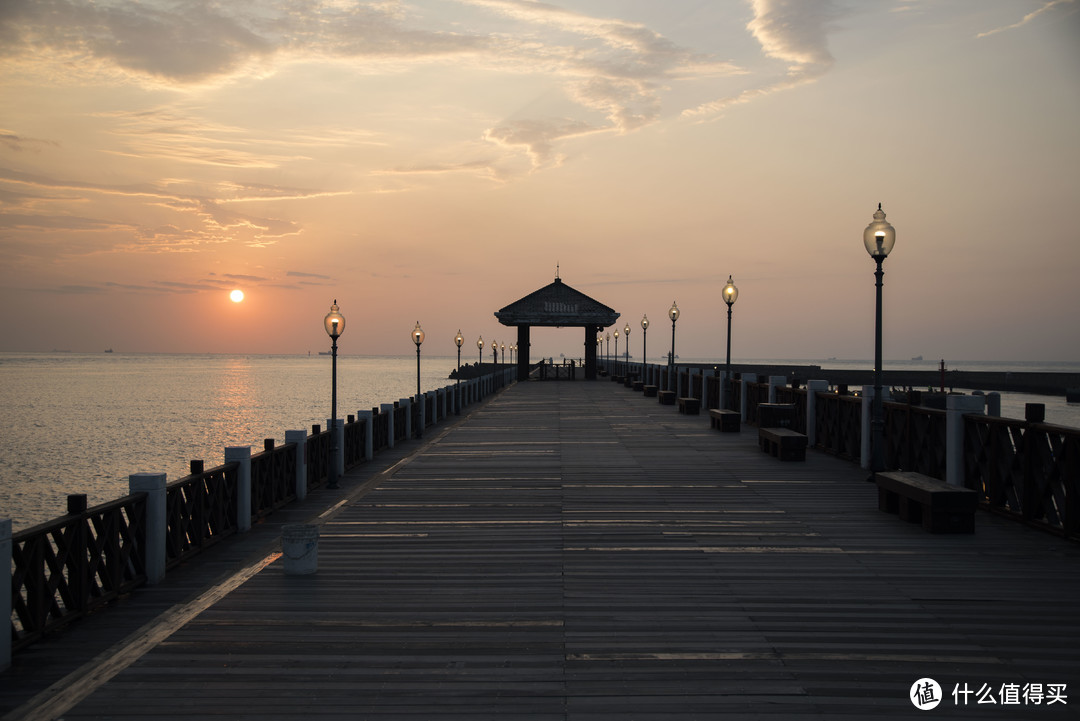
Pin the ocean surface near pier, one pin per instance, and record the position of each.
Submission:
(81, 423)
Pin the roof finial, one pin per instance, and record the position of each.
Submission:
(556, 270)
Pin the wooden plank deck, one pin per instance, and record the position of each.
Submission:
(578, 551)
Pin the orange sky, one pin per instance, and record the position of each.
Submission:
(434, 161)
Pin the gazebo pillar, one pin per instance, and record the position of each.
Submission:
(523, 352)
(590, 351)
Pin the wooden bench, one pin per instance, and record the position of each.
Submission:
(783, 443)
(638, 385)
(650, 391)
(727, 421)
(690, 406)
(666, 398)
(939, 507)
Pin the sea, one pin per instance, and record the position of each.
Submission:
(82, 423)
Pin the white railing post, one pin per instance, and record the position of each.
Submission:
(5, 589)
(300, 439)
(812, 389)
(369, 433)
(955, 408)
(747, 379)
(242, 455)
(153, 484)
(388, 410)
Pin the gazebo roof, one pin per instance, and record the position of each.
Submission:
(557, 304)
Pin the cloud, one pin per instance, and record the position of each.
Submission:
(77, 289)
(214, 223)
(537, 137)
(614, 71)
(614, 67)
(13, 141)
(298, 274)
(1027, 18)
(196, 41)
(793, 31)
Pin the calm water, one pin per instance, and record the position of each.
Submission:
(81, 423)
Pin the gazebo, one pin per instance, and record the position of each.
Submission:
(557, 305)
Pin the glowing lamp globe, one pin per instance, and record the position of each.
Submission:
(879, 236)
(334, 322)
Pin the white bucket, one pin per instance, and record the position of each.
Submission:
(300, 548)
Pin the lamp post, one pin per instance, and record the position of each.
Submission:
(607, 349)
(878, 238)
(626, 340)
(334, 323)
(503, 346)
(417, 338)
(644, 335)
(458, 340)
(495, 353)
(673, 313)
(616, 351)
(479, 353)
(731, 294)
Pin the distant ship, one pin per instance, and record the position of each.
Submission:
(324, 352)
(108, 350)
(917, 358)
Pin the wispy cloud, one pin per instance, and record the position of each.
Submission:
(16, 142)
(793, 31)
(1050, 5)
(613, 72)
(607, 66)
(214, 223)
(193, 42)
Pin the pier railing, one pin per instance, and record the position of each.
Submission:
(1024, 469)
(79, 562)
(200, 510)
(70, 566)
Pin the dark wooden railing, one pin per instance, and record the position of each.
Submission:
(317, 457)
(1029, 471)
(200, 510)
(273, 478)
(399, 423)
(355, 435)
(838, 423)
(70, 566)
(381, 430)
(914, 438)
(797, 398)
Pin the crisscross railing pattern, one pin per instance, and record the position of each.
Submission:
(200, 510)
(70, 566)
(1030, 471)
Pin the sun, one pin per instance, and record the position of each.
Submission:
(236, 296)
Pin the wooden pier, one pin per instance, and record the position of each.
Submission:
(579, 551)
